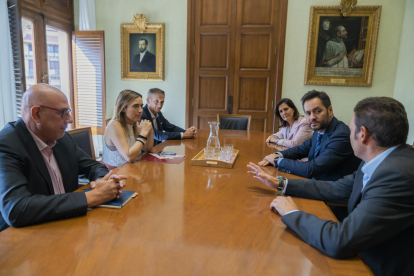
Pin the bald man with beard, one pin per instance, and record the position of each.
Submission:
(40, 165)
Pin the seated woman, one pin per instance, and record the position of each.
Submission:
(125, 137)
(295, 129)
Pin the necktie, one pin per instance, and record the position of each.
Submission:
(318, 144)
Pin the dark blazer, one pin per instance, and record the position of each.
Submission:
(166, 130)
(380, 224)
(335, 159)
(26, 190)
(146, 65)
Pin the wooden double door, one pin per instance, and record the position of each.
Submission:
(235, 60)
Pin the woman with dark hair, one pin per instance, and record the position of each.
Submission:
(295, 129)
(125, 137)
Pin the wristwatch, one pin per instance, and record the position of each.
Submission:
(281, 183)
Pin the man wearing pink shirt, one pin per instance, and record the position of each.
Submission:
(40, 165)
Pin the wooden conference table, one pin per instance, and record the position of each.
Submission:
(186, 220)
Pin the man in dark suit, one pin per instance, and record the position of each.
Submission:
(380, 223)
(163, 130)
(329, 151)
(40, 165)
(144, 61)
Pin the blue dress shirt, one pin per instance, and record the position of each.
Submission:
(369, 168)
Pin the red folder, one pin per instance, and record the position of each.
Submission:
(175, 160)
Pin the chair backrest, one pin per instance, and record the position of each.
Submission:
(237, 122)
(83, 139)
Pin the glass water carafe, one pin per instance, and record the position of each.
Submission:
(213, 140)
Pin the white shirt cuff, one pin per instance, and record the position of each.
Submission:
(182, 135)
(284, 188)
(278, 161)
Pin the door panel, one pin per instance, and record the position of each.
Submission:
(215, 12)
(257, 16)
(234, 60)
(257, 124)
(253, 94)
(214, 51)
(213, 92)
(255, 51)
(202, 122)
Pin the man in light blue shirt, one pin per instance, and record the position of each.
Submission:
(380, 194)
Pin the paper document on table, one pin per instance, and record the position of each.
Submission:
(153, 157)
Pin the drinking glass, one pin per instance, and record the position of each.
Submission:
(209, 152)
(224, 154)
(229, 149)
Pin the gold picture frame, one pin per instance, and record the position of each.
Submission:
(329, 33)
(142, 50)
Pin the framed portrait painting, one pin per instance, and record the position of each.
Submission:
(142, 50)
(341, 50)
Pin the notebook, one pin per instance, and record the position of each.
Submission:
(118, 203)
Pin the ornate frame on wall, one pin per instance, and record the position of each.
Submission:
(132, 33)
(360, 58)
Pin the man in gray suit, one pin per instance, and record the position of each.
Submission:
(380, 222)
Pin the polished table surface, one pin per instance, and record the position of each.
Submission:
(186, 220)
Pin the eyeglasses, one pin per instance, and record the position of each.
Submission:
(64, 112)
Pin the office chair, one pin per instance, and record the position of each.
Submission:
(83, 139)
(237, 122)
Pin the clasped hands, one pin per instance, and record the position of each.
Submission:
(105, 189)
(144, 127)
(190, 133)
(271, 139)
(281, 204)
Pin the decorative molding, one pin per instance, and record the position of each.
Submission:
(140, 22)
(347, 6)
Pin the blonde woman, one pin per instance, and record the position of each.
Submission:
(125, 137)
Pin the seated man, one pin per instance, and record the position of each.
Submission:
(380, 222)
(40, 164)
(163, 130)
(329, 151)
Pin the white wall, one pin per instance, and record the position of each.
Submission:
(109, 17)
(343, 98)
(404, 81)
